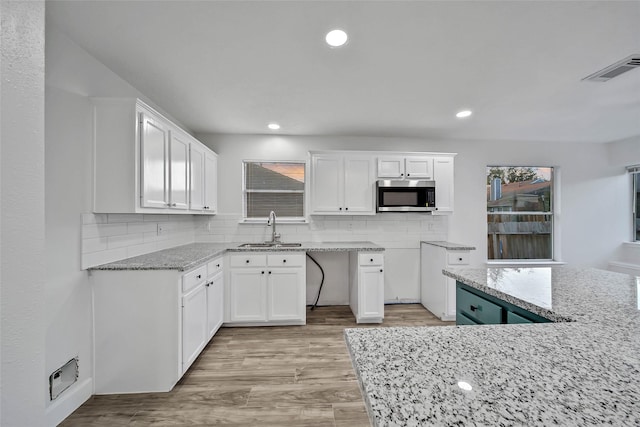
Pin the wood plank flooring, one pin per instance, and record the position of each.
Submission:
(268, 376)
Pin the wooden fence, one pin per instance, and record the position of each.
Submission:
(519, 237)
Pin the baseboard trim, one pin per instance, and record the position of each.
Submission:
(68, 402)
(625, 267)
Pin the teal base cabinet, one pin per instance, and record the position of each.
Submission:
(474, 307)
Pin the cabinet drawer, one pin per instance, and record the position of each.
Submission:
(249, 260)
(458, 258)
(478, 308)
(215, 266)
(370, 259)
(461, 319)
(194, 278)
(286, 260)
(516, 318)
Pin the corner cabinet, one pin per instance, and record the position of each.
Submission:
(366, 286)
(266, 289)
(143, 164)
(162, 316)
(443, 176)
(342, 184)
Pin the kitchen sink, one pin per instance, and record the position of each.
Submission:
(270, 245)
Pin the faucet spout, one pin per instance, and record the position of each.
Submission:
(275, 237)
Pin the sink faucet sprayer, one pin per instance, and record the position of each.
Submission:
(275, 237)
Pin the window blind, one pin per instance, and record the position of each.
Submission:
(274, 186)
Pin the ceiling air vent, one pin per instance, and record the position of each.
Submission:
(614, 70)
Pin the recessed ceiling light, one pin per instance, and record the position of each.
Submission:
(273, 126)
(464, 113)
(336, 38)
(465, 385)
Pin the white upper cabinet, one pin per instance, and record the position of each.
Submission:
(178, 171)
(142, 161)
(210, 182)
(154, 138)
(197, 177)
(401, 167)
(443, 176)
(342, 184)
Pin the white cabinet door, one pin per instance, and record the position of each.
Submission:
(285, 294)
(211, 182)
(154, 137)
(391, 167)
(371, 292)
(194, 325)
(197, 160)
(178, 171)
(327, 192)
(419, 167)
(248, 295)
(443, 176)
(450, 298)
(215, 304)
(358, 185)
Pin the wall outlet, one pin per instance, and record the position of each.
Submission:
(160, 230)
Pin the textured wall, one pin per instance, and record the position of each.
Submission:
(22, 213)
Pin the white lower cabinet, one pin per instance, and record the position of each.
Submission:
(150, 325)
(366, 286)
(437, 291)
(267, 289)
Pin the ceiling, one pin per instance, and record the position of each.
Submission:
(409, 66)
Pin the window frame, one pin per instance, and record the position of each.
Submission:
(281, 219)
(553, 214)
(634, 172)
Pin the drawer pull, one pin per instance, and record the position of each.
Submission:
(474, 308)
(263, 272)
(247, 261)
(284, 260)
(380, 270)
(199, 276)
(269, 272)
(459, 259)
(217, 265)
(371, 260)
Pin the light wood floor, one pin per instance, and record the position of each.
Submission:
(268, 376)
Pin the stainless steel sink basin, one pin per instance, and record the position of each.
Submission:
(270, 245)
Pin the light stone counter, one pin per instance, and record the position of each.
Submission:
(583, 372)
(449, 245)
(185, 257)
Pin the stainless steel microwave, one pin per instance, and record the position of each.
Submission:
(407, 195)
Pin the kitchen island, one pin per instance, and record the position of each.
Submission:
(582, 369)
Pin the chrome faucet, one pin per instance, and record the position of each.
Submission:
(275, 237)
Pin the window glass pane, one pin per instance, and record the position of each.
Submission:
(274, 186)
(274, 176)
(519, 189)
(519, 236)
(636, 190)
(283, 204)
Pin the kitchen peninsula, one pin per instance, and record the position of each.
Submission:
(582, 369)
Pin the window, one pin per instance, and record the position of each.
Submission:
(635, 176)
(273, 186)
(520, 213)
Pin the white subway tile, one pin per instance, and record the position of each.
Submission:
(94, 244)
(117, 218)
(141, 249)
(155, 217)
(91, 218)
(142, 227)
(103, 230)
(124, 241)
(103, 257)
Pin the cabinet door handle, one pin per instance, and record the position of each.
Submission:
(269, 272)
(217, 265)
(173, 205)
(207, 284)
(371, 260)
(263, 272)
(346, 209)
(381, 270)
(401, 174)
(284, 260)
(459, 259)
(199, 276)
(408, 174)
(340, 208)
(247, 261)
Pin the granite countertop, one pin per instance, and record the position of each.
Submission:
(582, 372)
(186, 257)
(449, 245)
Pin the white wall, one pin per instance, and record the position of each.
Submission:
(22, 204)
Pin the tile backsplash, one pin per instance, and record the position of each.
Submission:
(391, 230)
(111, 237)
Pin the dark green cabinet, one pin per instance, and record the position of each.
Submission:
(474, 307)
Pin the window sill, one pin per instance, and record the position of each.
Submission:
(278, 221)
(524, 263)
(632, 244)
